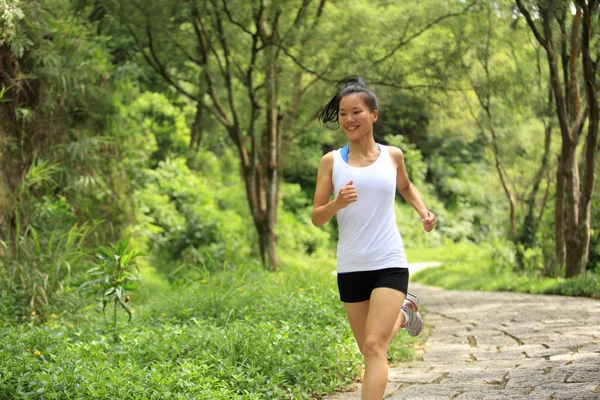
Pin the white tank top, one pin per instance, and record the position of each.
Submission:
(368, 234)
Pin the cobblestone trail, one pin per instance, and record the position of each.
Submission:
(488, 346)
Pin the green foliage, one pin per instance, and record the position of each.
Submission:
(428, 254)
(189, 218)
(157, 129)
(413, 158)
(11, 13)
(184, 219)
(296, 233)
(34, 268)
(45, 248)
(60, 158)
(411, 228)
(40, 177)
(532, 259)
(406, 115)
(90, 131)
(114, 275)
(245, 334)
(447, 170)
(492, 267)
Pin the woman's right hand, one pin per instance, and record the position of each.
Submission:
(346, 195)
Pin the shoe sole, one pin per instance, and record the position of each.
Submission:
(420, 318)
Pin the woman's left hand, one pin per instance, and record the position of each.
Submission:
(428, 219)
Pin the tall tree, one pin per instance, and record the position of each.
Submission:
(230, 58)
(494, 56)
(566, 30)
(250, 65)
(484, 90)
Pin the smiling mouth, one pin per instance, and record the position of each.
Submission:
(351, 128)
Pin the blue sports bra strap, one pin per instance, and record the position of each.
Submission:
(345, 150)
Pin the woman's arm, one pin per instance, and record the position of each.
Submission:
(409, 191)
(323, 208)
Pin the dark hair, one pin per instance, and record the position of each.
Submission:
(329, 114)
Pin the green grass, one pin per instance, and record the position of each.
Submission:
(244, 334)
(426, 254)
(471, 267)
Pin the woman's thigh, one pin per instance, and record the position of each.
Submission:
(384, 308)
(357, 316)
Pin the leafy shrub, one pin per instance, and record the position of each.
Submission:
(114, 276)
(295, 231)
(456, 221)
(157, 129)
(472, 267)
(411, 227)
(586, 285)
(183, 219)
(33, 269)
(201, 218)
(243, 334)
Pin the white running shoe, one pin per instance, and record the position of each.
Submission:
(415, 322)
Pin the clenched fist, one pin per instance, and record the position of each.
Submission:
(346, 195)
(428, 219)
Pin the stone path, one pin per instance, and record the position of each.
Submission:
(488, 346)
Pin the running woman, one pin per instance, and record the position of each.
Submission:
(372, 271)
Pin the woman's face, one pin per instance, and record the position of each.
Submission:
(355, 117)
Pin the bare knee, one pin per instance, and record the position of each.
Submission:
(361, 348)
(374, 346)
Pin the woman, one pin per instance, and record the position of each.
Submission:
(371, 264)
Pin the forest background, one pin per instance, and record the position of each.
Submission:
(158, 162)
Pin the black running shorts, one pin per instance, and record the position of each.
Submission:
(355, 287)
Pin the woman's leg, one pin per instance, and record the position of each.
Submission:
(357, 316)
(381, 324)
(397, 326)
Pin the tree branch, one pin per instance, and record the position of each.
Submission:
(155, 63)
(201, 31)
(541, 40)
(299, 17)
(424, 86)
(227, 73)
(306, 69)
(204, 44)
(230, 18)
(420, 32)
(319, 11)
(183, 50)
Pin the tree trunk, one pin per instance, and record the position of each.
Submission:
(197, 129)
(572, 197)
(560, 245)
(572, 221)
(502, 175)
(576, 265)
(530, 223)
(270, 152)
